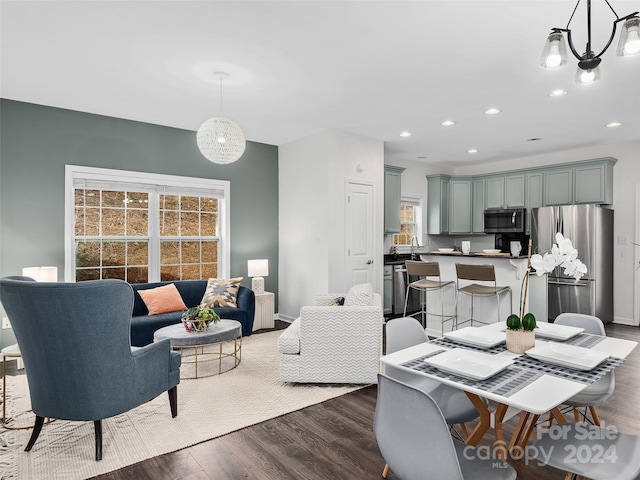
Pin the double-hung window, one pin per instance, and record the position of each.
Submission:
(142, 227)
(409, 222)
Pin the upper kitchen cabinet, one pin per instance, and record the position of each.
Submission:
(533, 197)
(494, 191)
(438, 204)
(460, 214)
(392, 195)
(594, 182)
(585, 182)
(558, 186)
(505, 191)
(477, 205)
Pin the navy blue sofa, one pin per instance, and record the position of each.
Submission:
(144, 325)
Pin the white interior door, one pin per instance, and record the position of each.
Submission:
(359, 234)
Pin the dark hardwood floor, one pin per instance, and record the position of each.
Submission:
(334, 440)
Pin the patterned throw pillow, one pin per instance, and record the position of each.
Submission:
(359, 295)
(337, 302)
(221, 293)
(163, 299)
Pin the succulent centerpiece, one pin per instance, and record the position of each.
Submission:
(197, 319)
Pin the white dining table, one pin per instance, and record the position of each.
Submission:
(544, 394)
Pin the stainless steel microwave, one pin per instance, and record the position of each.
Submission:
(504, 220)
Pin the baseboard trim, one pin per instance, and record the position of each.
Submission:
(624, 321)
(286, 318)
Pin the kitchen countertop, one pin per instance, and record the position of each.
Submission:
(474, 254)
(399, 259)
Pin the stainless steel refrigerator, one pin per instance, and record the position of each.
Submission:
(590, 228)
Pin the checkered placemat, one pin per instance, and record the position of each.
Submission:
(586, 340)
(505, 383)
(587, 377)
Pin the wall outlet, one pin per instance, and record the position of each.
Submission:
(5, 322)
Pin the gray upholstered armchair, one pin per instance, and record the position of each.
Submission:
(74, 340)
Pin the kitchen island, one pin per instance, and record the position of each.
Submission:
(509, 272)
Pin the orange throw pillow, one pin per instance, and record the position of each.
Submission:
(163, 299)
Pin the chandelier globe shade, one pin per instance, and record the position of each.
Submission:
(219, 139)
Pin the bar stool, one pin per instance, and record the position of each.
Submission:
(424, 270)
(479, 273)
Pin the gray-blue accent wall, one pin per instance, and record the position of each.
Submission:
(36, 142)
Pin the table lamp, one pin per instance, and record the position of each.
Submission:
(258, 269)
(41, 274)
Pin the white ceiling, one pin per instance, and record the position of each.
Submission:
(372, 68)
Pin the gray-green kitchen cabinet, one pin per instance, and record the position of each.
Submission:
(438, 204)
(387, 284)
(460, 205)
(533, 196)
(477, 206)
(392, 196)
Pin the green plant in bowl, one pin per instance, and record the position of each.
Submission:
(198, 318)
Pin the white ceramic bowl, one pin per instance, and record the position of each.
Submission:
(445, 250)
(491, 251)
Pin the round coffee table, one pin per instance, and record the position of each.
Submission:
(219, 342)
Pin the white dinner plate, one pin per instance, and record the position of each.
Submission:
(557, 332)
(478, 337)
(491, 250)
(571, 356)
(445, 249)
(468, 363)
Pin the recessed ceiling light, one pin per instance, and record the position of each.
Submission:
(472, 150)
(613, 124)
(559, 92)
(448, 123)
(492, 111)
(405, 134)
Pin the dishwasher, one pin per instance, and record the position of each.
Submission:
(399, 292)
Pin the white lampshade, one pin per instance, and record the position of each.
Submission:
(258, 269)
(41, 274)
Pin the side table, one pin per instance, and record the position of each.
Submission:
(265, 306)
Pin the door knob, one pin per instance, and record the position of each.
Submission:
(369, 262)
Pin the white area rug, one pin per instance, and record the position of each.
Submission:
(207, 408)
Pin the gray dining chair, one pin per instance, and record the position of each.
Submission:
(74, 339)
(589, 451)
(454, 404)
(414, 439)
(602, 389)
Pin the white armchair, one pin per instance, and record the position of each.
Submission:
(334, 344)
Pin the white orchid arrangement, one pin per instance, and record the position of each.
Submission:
(562, 254)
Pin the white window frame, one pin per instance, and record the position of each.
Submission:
(417, 216)
(74, 173)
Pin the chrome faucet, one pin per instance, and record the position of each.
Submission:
(413, 255)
